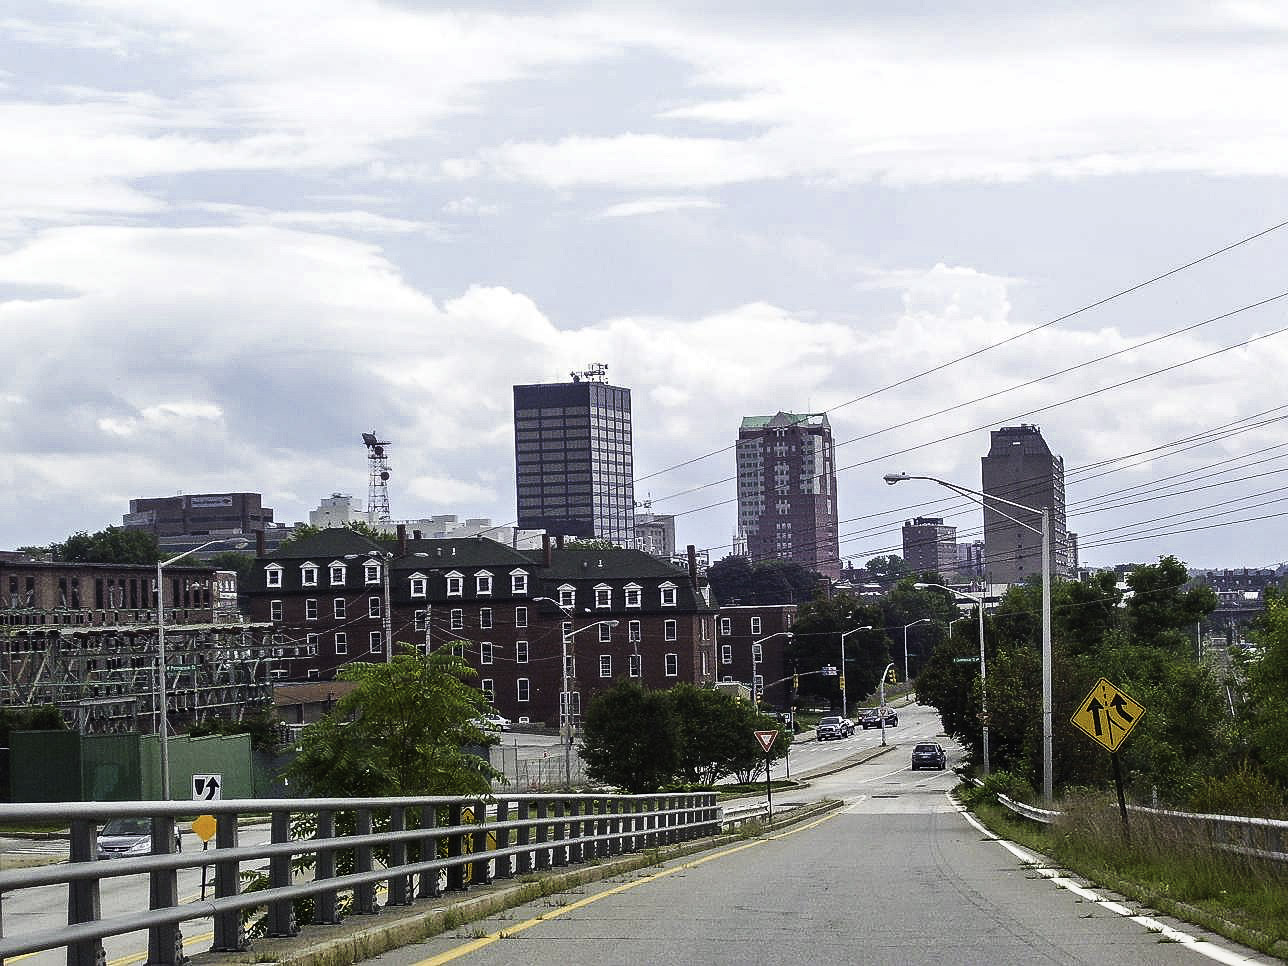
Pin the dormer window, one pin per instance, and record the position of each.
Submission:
(518, 581)
(668, 594)
(455, 584)
(371, 573)
(567, 596)
(273, 575)
(603, 596)
(338, 571)
(419, 585)
(483, 583)
(308, 575)
(634, 595)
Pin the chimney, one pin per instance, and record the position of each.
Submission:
(545, 547)
(402, 539)
(693, 566)
(259, 543)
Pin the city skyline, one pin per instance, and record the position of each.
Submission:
(222, 260)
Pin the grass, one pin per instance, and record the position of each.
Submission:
(754, 788)
(1242, 898)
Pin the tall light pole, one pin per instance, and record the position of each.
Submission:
(881, 711)
(922, 620)
(983, 666)
(845, 704)
(975, 496)
(755, 692)
(163, 699)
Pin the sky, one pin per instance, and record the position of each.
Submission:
(236, 236)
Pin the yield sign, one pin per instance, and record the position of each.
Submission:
(1107, 714)
(766, 739)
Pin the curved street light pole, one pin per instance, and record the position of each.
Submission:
(1044, 530)
(923, 620)
(983, 666)
(756, 691)
(845, 705)
(881, 712)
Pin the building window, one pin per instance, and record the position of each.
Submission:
(418, 586)
(483, 584)
(455, 585)
(337, 608)
(485, 618)
(521, 617)
(605, 665)
(375, 646)
(566, 627)
(668, 595)
(755, 625)
(485, 652)
(672, 665)
(567, 597)
(337, 575)
(603, 597)
(518, 583)
(726, 626)
(275, 610)
(705, 669)
(458, 649)
(310, 610)
(341, 642)
(373, 606)
(637, 665)
(314, 674)
(520, 652)
(273, 576)
(458, 619)
(308, 576)
(311, 644)
(605, 633)
(371, 573)
(570, 666)
(522, 689)
(633, 631)
(726, 653)
(418, 619)
(668, 630)
(488, 687)
(757, 654)
(634, 595)
(702, 626)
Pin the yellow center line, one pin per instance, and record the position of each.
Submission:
(480, 943)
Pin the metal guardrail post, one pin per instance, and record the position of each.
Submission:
(399, 882)
(481, 874)
(523, 834)
(165, 943)
(364, 895)
(428, 852)
(82, 895)
(326, 905)
(559, 854)
(543, 835)
(229, 935)
(281, 914)
(577, 831)
(504, 867)
(455, 842)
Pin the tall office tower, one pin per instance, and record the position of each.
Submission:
(929, 545)
(1021, 467)
(572, 453)
(787, 490)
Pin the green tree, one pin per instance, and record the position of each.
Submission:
(715, 734)
(816, 643)
(115, 545)
(735, 578)
(243, 563)
(886, 567)
(403, 730)
(629, 738)
(1160, 613)
(263, 726)
(1263, 713)
(298, 533)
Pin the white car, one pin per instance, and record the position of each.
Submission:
(493, 722)
(129, 836)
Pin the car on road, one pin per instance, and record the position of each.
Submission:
(929, 755)
(129, 836)
(492, 721)
(871, 718)
(830, 727)
(849, 726)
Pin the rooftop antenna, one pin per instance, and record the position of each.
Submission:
(377, 477)
(595, 372)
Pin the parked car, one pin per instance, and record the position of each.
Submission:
(129, 836)
(830, 727)
(492, 721)
(848, 723)
(929, 755)
(871, 718)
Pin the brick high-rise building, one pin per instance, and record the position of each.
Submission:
(787, 490)
(574, 472)
(1021, 467)
(930, 546)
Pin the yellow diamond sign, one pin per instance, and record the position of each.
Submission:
(1107, 714)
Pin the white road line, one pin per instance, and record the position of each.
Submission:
(1202, 946)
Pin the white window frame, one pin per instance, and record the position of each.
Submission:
(456, 619)
(485, 652)
(342, 642)
(273, 575)
(339, 608)
(666, 594)
(634, 595)
(671, 665)
(373, 608)
(520, 652)
(419, 619)
(670, 629)
(567, 596)
(518, 581)
(455, 584)
(308, 575)
(521, 617)
(636, 665)
(605, 634)
(419, 585)
(755, 625)
(566, 628)
(338, 572)
(488, 687)
(603, 596)
(726, 626)
(371, 573)
(757, 653)
(375, 643)
(275, 610)
(605, 665)
(310, 609)
(726, 653)
(311, 644)
(485, 618)
(522, 690)
(483, 583)
(633, 631)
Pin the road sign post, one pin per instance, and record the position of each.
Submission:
(767, 739)
(1107, 716)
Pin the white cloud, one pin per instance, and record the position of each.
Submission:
(656, 205)
(471, 207)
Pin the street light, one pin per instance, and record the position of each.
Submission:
(845, 706)
(923, 620)
(163, 730)
(983, 667)
(755, 692)
(978, 497)
(881, 711)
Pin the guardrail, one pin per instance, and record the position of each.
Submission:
(418, 847)
(1045, 816)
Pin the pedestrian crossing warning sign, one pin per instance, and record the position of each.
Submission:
(1107, 714)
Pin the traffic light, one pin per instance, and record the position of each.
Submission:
(796, 682)
(842, 682)
(892, 677)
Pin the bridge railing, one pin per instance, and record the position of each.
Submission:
(416, 847)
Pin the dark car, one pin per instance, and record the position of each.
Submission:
(872, 718)
(929, 755)
(830, 727)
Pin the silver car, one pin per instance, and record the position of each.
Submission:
(129, 836)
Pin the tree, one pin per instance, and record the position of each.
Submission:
(816, 643)
(114, 545)
(402, 731)
(629, 738)
(262, 725)
(715, 734)
(1263, 715)
(1159, 612)
(735, 578)
(242, 563)
(298, 533)
(886, 568)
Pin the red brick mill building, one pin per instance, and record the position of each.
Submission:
(338, 596)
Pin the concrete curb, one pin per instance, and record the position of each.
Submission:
(398, 926)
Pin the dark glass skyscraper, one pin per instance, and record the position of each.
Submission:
(1021, 467)
(574, 473)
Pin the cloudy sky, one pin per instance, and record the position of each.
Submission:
(235, 236)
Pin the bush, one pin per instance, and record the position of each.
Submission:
(1246, 791)
(999, 782)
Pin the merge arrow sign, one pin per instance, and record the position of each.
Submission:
(1107, 714)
